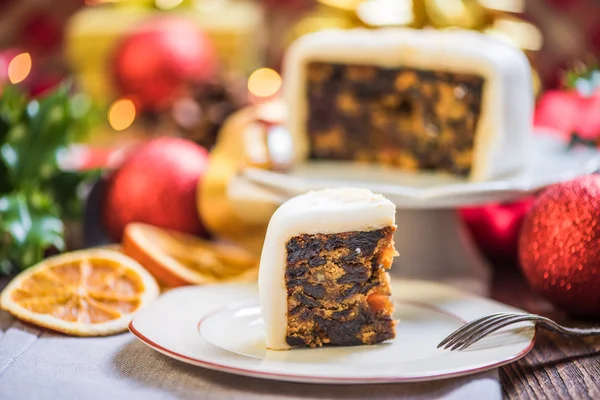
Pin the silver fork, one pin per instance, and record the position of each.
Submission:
(476, 330)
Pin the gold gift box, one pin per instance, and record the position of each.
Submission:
(92, 34)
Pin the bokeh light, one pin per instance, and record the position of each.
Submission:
(518, 33)
(512, 6)
(19, 68)
(121, 114)
(342, 4)
(264, 82)
(451, 8)
(167, 4)
(386, 12)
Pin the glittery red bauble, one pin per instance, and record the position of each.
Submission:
(495, 228)
(156, 185)
(158, 60)
(559, 246)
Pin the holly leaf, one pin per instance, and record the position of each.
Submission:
(34, 192)
(37, 138)
(585, 79)
(12, 107)
(5, 185)
(32, 145)
(576, 139)
(67, 189)
(30, 225)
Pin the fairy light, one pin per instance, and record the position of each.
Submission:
(386, 12)
(19, 68)
(121, 114)
(167, 4)
(451, 8)
(518, 33)
(210, 5)
(342, 4)
(264, 82)
(512, 6)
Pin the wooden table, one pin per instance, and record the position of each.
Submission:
(557, 367)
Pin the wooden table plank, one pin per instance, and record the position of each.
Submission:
(557, 367)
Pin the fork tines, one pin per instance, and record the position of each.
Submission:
(476, 330)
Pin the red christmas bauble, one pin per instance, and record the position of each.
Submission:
(41, 34)
(569, 112)
(156, 62)
(495, 228)
(564, 4)
(156, 185)
(559, 246)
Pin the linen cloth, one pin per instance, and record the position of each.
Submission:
(37, 364)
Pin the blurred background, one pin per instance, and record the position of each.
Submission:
(203, 59)
(139, 69)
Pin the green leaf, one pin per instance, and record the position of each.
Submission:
(5, 185)
(66, 188)
(37, 136)
(584, 78)
(34, 192)
(30, 226)
(12, 107)
(576, 140)
(31, 146)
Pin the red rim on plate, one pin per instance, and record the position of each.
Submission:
(320, 379)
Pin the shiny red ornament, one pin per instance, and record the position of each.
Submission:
(564, 4)
(42, 34)
(157, 61)
(568, 112)
(495, 228)
(156, 184)
(559, 246)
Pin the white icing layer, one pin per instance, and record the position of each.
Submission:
(323, 211)
(505, 121)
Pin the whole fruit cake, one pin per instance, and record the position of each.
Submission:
(457, 102)
(323, 273)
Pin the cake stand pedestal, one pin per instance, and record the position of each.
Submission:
(431, 239)
(434, 244)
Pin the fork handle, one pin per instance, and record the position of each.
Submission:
(553, 326)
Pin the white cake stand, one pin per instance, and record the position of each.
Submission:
(431, 239)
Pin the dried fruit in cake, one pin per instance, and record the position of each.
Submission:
(323, 276)
(457, 102)
(177, 259)
(83, 293)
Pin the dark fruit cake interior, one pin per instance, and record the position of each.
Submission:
(338, 288)
(411, 118)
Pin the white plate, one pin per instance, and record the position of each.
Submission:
(219, 327)
(550, 162)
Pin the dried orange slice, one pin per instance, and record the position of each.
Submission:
(177, 259)
(92, 292)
